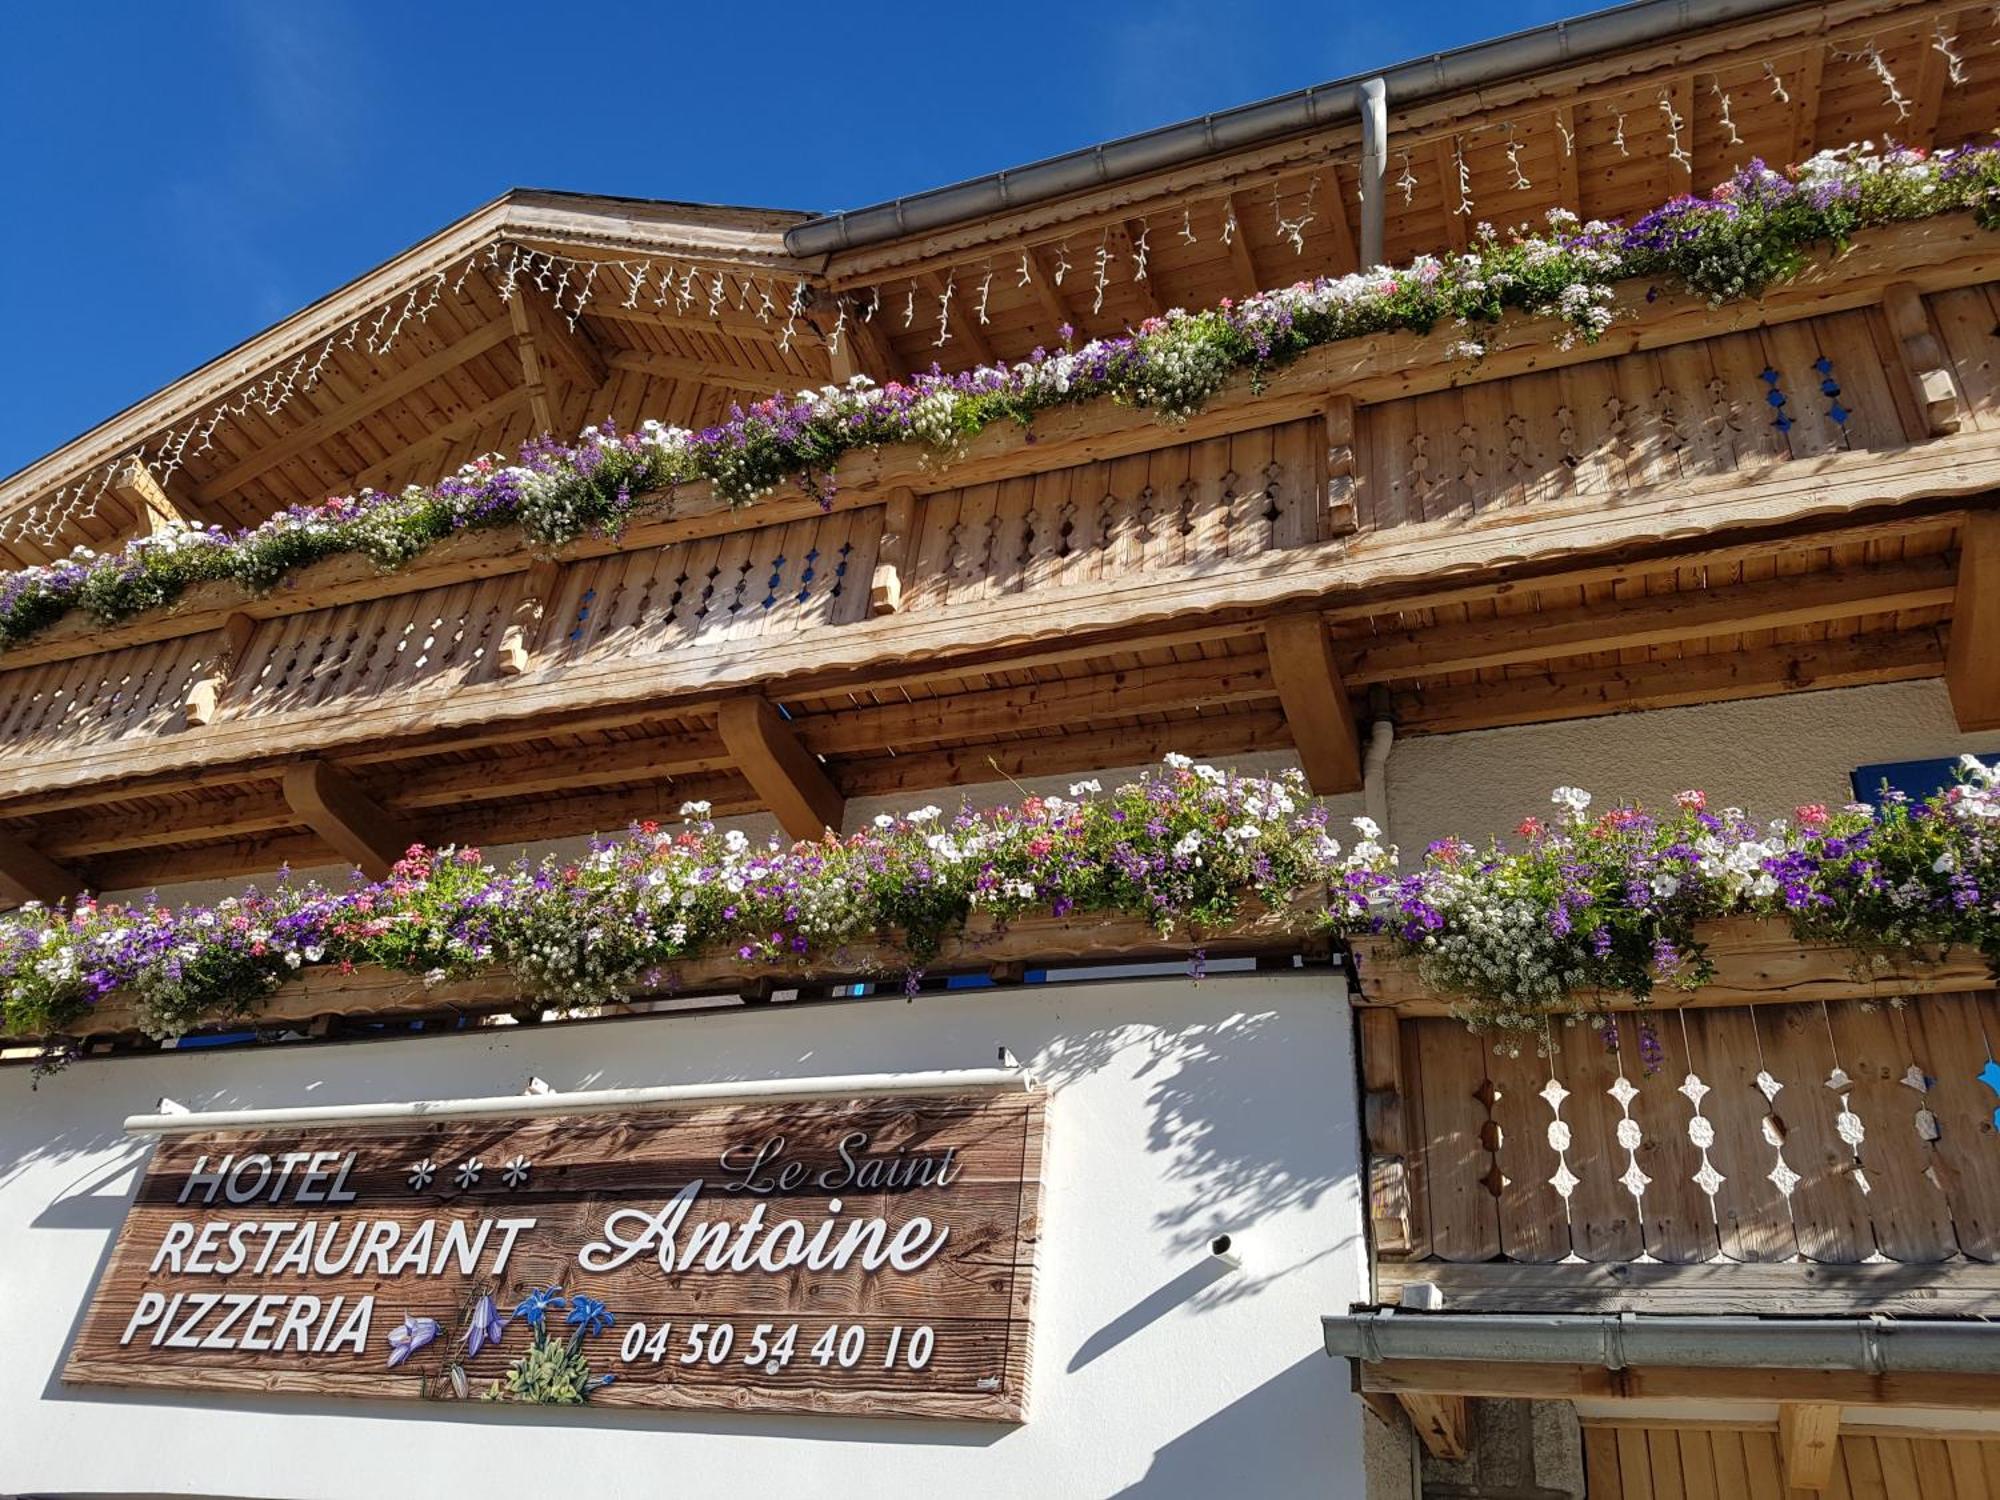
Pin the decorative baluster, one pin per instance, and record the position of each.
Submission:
(1564, 1181)
(1630, 1139)
(1701, 1133)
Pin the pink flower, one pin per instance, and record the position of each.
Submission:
(1812, 815)
(1693, 801)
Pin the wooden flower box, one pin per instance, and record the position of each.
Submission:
(985, 946)
(1757, 961)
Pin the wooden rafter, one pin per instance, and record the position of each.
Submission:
(557, 337)
(963, 327)
(1248, 282)
(1442, 1423)
(675, 367)
(1315, 702)
(26, 874)
(430, 447)
(1808, 1442)
(330, 803)
(785, 774)
(377, 396)
(1508, 1379)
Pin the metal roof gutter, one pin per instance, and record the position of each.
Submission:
(1462, 68)
(1617, 1341)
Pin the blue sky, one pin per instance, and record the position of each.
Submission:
(182, 173)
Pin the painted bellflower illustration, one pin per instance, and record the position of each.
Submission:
(415, 1334)
(487, 1326)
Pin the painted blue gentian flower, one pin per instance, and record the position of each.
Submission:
(588, 1314)
(537, 1305)
(412, 1336)
(487, 1326)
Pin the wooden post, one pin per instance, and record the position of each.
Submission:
(862, 351)
(26, 874)
(1388, 1132)
(1808, 1438)
(333, 805)
(135, 485)
(785, 775)
(1441, 1421)
(1315, 702)
(1923, 358)
(1972, 660)
(524, 629)
(205, 693)
(892, 557)
(1337, 509)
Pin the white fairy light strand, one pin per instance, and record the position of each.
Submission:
(1728, 120)
(1407, 181)
(1674, 120)
(1464, 209)
(1522, 182)
(1947, 48)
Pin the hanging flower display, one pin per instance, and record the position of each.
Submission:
(1758, 228)
(1585, 900)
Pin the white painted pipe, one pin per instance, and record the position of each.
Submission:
(1374, 169)
(1375, 774)
(947, 1081)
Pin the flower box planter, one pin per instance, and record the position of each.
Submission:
(1757, 961)
(984, 946)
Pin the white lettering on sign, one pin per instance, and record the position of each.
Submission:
(210, 1320)
(718, 1245)
(241, 1179)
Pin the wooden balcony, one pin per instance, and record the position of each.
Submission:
(1811, 1133)
(1547, 533)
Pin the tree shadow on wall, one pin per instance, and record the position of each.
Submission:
(1233, 1156)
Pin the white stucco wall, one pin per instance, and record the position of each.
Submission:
(1177, 1110)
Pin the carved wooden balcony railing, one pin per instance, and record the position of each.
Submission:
(1708, 503)
(1811, 1127)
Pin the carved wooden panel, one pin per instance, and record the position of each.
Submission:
(1741, 402)
(131, 693)
(1835, 1133)
(1222, 498)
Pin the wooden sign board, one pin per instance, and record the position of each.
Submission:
(872, 1256)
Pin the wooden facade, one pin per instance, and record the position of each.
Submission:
(1711, 502)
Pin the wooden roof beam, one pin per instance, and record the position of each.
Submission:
(786, 775)
(135, 485)
(333, 805)
(1972, 661)
(1315, 702)
(379, 395)
(26, 874)
(533, 385)
(674, 367)
(1442, 1423)
(555, 339)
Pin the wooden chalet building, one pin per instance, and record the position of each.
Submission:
(1750, 545)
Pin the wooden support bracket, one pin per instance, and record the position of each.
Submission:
(785, 775)
(892, 557)
(1808, 1438)
(1315, 702)
(1338, 515)
(862, 350)
(1442, 1422)
(1972, 657)
(524, 628)
(1924, 360)
(333, 805)
(26, 874)
(205, 692)
(135, 485)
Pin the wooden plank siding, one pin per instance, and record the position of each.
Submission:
(1631, 1460)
